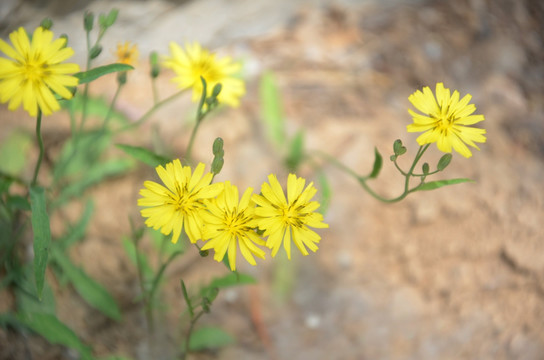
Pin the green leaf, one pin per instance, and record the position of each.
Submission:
(142, 260)
(144, 155)
(77, 232)
(93, 176)
(444, 162)
(56, 332)
(93, 74)
(91, 291)
(18, 202)
(231, 279)
(271, 109)
(296, 152)
(209, 338)
(378, 162)
(326, 193)
(95, 106)
(438, 184)
(42, 235)
(27, 298)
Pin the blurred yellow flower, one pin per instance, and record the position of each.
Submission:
(191, 63)
(445, 120)
(178, 205)
(34, 70)
(229, 222)
(127, 53)
(285, 219)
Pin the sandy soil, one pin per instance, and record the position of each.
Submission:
(456, 273)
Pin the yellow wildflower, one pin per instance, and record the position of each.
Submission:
(285, 219)
(34, 70)
(445, 120)
(194, 62)
(178, 205)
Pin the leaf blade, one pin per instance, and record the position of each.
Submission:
(42, 235)
(432, 185)
(93, 74)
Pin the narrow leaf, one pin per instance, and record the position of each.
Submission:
(296, 152)
(209, 338)
(326, 193)
(91, 291)
(144, 155)
(438, 184)
(93, 74)
(42, 235)
(138, 259)
(56, 332)
(271, 108)
(187, 298)
(231, 279)
(378, 161)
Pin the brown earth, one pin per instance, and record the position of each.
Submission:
(457, 273)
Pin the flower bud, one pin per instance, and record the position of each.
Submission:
(95, 51)
(46, 23)
(217, 145)
(88, 21)
(444, 162)
(216, 90)
(122, 77)
(425, 168)
(154, 60)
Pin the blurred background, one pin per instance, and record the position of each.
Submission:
(456, 273)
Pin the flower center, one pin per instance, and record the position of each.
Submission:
(292, 216)
(184, 201)
(236, 223)
(34, 71)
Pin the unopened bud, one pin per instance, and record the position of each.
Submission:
(46, 23)
(95, 51)
(444, 162)
(154, 60)
(88, 21)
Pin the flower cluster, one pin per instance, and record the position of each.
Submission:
(216, 214)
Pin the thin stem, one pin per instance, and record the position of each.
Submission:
(86, 87)
(145, 297)
(40, 144)
(150, 112)
(189, 333)
(154, 90)
(191, 142)
(157, 278)
(112, 106)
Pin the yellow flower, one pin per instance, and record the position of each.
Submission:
(445, 120)
(34, 71)
(181, 202)
(228, 222)
(127, 53)
(193, 62)
(285, 219)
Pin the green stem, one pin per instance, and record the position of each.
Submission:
(145, 297)
(86, 87)
(150, 112)
(191, 141)
(157, 278)
(189, 333)
(40, 144)
(154, 90)
(112, 106)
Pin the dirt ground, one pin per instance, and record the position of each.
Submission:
(456, 273)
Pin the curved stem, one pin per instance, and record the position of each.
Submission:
(154, 108)
(189, 332)
(112, 105)
(40, 144)
(191, 142)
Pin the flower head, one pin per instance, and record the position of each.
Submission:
(229, 222)
(34, 70)
(445, 120)
(285, 219)
(194, 62)
(127, 53)
(181, 202)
